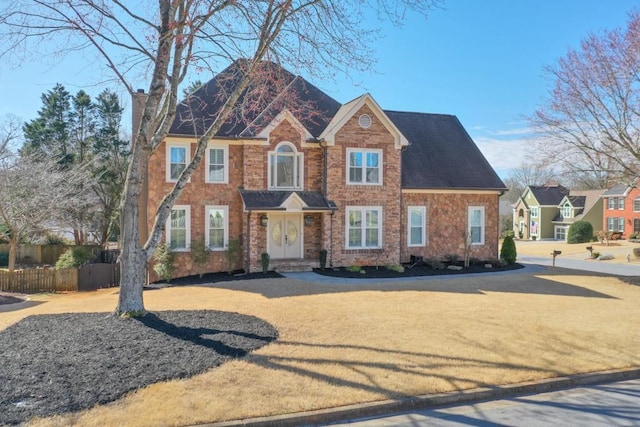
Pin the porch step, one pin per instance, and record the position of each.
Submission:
(293, 265)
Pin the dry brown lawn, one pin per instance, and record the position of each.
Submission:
(345, 344)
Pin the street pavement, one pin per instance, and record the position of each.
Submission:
(614, 404)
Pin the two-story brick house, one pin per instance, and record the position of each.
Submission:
(621, 209)
(372, 187)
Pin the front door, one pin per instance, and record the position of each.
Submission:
(285, 239)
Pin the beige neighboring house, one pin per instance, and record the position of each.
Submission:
(578, 206)
(547, 211)
(535, 210)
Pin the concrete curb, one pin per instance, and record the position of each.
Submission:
(388, 407)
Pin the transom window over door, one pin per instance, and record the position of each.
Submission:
(286, 167)
(364, 167)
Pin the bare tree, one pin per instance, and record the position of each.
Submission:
(590, 121)
(166, 40)
(36, 192)
(525, 175)
(10, 133)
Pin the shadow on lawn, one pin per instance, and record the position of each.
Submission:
(525, 281)
(386, 363)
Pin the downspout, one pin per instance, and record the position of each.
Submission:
(248, 245)
(325, 168)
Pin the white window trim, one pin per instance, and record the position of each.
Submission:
(298, 155)
(482, 225)
(636, 203)
(364, 165)
(362, 210)
(534, 212)
(423, 212)
(612, 203)
(225, 210)
(187, 157)
(567, 211)
(620, 203)
(187, 209)
(620, 225)
(225, 179)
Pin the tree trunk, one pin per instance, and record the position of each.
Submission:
(13, 251)
(133, 255)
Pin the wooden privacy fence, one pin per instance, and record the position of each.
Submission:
(42, 254)
(88, 277)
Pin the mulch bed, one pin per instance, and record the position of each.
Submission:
(53, 364)
(418, 270)
(9, 299)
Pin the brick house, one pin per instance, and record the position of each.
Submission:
(370, 186)
(621, 209)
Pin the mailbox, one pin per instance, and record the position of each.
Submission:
(555, 253)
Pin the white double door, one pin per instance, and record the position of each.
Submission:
(285, 236)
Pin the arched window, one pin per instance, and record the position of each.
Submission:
(285, 167)
(566, 210)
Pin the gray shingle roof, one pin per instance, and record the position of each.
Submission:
(441, 154)
(273, 200)
(617, 190)
(548, 195)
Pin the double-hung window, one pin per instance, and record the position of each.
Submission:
(636, 204)
(566, 211)
(216, 169)
(476, 225)
(179, 228)
(364, 227)
(611, 203)
(177, 160)
(364, 166)
(621, 203)
(621, 225)
(217, 227)
(416, 227)
(534, 211)
(286, 167)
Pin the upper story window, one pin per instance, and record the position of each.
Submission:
(534, 211)
(566, 210)
(286, 167)
(177, 160)
(636, 205)
(621, 203)
(612, 203)
(217, 160)
(476, 225)
(364, 167)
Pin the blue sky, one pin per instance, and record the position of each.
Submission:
(479, 60)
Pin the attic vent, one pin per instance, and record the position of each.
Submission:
(364, 121)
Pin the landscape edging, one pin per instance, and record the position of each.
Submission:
(388, 407)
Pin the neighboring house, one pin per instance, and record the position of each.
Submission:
(372, 187)
(621, 209)
(535, 210)
(578, 206)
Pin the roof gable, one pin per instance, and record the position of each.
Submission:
(254, 110)
(352, 107)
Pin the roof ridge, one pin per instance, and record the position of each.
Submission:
(269, 106)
